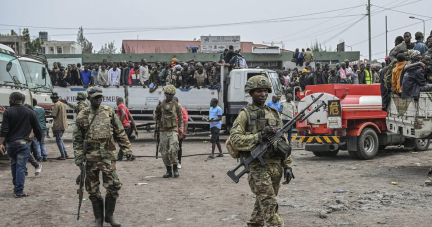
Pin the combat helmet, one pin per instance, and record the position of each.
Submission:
(170, 89)
(258, 82)
(94, 91)
(82, 95)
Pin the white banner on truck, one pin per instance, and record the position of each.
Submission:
(217, 44)
(64, 61)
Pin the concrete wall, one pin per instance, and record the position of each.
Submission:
(14, 42)
(250, 57)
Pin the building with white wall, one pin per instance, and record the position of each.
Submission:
(61, 47)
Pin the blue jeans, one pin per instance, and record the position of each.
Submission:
(289, 131)
(40, 149)
(58, 135)
(18, 153)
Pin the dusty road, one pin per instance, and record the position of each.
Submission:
(205, 196)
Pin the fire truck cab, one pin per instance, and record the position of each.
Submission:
(353, 121)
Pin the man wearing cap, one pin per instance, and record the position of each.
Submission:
(80, 105)
(169, 117)
(257, 122)
(101, 127)
(60, 124)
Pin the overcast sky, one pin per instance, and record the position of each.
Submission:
(304, 21)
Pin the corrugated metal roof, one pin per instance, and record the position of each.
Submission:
(171, 46)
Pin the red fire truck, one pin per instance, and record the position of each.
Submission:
(353, 121)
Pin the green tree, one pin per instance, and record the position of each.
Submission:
(13, 32)
(108, 48)
(317, 47)
(86, 46)
(31, 46)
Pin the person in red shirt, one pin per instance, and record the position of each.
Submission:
(125, 116)
(182, 133)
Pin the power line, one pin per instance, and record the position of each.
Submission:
(202, 26)
(322, 22)
(337, 34)
(403, 12)
(390, 31)
(324, 31)
(192, 26)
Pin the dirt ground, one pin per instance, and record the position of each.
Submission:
(205, 196)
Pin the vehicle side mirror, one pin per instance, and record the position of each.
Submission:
(9, 66)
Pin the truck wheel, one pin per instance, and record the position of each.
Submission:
(421, 144)
(367, 144)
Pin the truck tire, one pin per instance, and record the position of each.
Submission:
(326, 154)
(367, 144)
(421, 144)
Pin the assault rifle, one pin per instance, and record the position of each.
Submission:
(83, 166)
(261, 148)
(82, 177)
(157, 135)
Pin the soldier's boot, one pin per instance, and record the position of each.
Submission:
(110, 203)
(254, 224)
(98, 211)
(168, 173)
(175, 169)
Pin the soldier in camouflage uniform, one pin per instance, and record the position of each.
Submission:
(80, 105)
(169, 116)
(256, 122)
(101, 153)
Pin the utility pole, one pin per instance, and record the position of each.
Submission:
(370, 39)
(386, 37)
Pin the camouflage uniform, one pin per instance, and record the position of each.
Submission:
(101, 152)
(214, 76)
(81, 104)
(264, 181)
(167, 126)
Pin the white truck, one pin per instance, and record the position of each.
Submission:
(141, 102)
(39, 83)
(11, 77)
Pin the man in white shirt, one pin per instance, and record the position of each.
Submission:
(143, 73)
(114, 76)
(242, 63)
(288, 112)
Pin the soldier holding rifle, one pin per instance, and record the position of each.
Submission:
(96, 129)
(255, 123)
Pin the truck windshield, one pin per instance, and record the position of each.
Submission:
(33, 74)
(274, 78)
(16, 76)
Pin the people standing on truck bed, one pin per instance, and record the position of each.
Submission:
(94, 75)
(18, 122)
(143, 73)
(114, 76)
(103, 76)
(413, 80)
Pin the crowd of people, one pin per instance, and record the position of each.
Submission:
(408, 65)
(185, 74)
